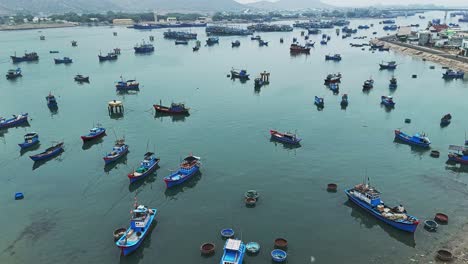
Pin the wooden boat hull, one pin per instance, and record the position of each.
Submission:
(16, 122)
(108, 159)
(411, 228)
(89, 138)
(51, 154)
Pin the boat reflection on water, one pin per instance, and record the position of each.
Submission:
(32, 148)
(174, 118)
(456, 167)
(420, 151)
(285, 145)
(89, 144)
(369, 222)
(114, 164)
(116, 116)
(148, 180)
(189, 184)
(38, 164)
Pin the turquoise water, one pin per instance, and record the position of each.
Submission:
(73, 203)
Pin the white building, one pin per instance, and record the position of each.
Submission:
(464, 47)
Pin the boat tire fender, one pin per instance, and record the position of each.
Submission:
(138, 233)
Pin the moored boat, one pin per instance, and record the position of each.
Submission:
(81, 78)
(144, 48)
(420, 140)
(460, 156)
(296, 48)
(391, 65)
(256, 37)
(368, 198)
(240, 74)
(147, 166)
(451, 74)
(344, 100)
(288, 138)
(445, 120)
(387, 101)
(13, 73)
(140, 223)
(94, 133)
(64, 60)
(368, 84)
(234, 251)
(118, 151)
(109, 57)
(235, 43)
(336, 57)
(334, 87)
(14, 121)
(30, 139)
(212, 40)
(333, 78)
(319, 101)
(181, 42)
(197, 46)
(175, 108)
(51, 101)
(48, 153)
(262, 43)
(393, 83)
(27, 57)
(189, 167)
(127, 85)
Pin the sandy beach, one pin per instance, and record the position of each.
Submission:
(36, 26)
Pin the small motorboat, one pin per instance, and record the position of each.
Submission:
(81, 78)
(391, 65)
(255, 37)
(387, 101)
(234, 251)
(288, 138)
(64, 60)
(279, 255)
(235, 43)
(336, 57)
(393, 83)
(262, 43)
(319, 101)
(252, 194)
(420, 140)
(252, 247)
(212, 40)
(451, 74)
(334, 87)
(174, 109)
(197, 46)
(344, 100)
(140, 223)
(51, 101)
(181, 42)
(368, 84)
(118, 151)
(296, 48)
(240, 74)
(189, 167)
(48, 153)
(13, 74)
(127, 85)
(147, 167)
(30, 139)
(94, 133)
(445, 120)
(14, 121)
(109, 57)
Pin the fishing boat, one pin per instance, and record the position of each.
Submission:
(376, 46)
(220, 30)
(392, 27)
(30, 139)
(140, 223)
(420, 140)
(256, 37)
(319, 101)
(179, 35)
(181, 42)
(451, 74)
(189, 167)
(174, 109)
(235, 43)
(336, 57)
(240, 74)
(234, 251)
(387, 101)
(118, 151)
(13, 74)
(296, 48)
(333, 78)
(14, 121)
(368, 84)
(344, 100)
(81, 78)
(64, 60)
(391, 65)
(288, 138)
(212, 40)
(143, 48)
(127, 85)
(460, 156)
(51, 101)
(445, 120)
(262, 43)
(313, 31)
(334, 87)
(48, 153)
(368, 198)
(27, 57)
(147, 166)
(94, 133)
(393, 83)
(53, 51)
(109, 57)
(197, 46)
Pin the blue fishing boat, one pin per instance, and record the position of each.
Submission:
(140, 223)
(336, 57)
(451, 74)
(420, 140)
(51, 101)
(319, 101)
(144, 48)
(460, 156)
(94, 133)
(212, 40)
(241, 74)
(181, 42)
(368, 198)
(387, 101)
(127, 85)
(14, 121)
(368, 84)
(234, 251)
(27, 57)
(30, 139)
(288, 138)
(147, 166)
(48, 153)
(391, 65)
(13, 73)
(391, 28)
(118, 151)
(179, 35)
(344, 100)
(323, 42)
(64, 60)
(235, 43)
(445, 120)
(388, 21)
(109, 57)
(334, 87)
(188, 168)
(393, 83)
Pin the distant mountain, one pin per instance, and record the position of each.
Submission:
(289, 4)
(84, 6)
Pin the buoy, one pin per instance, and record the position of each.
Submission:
(444, 255)
(281, 243)
(407, 120)
(332, 187)
(19, 196)
(207, 249)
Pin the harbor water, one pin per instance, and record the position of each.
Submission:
(73, 203)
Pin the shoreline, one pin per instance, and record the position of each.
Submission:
(36, 26)
(443, 58)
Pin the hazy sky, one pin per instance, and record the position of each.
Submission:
(375, 2)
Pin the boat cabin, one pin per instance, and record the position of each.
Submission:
(232, 248)
(140, 218)
(367, 194)
(30, 136)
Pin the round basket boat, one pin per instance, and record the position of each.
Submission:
(332, 187)
(251, 194)
(431, 225)
(444, 255)
(207, 249)
(279, 255)
(441, 218)
(227, 233)
(19, 196)
(281, 243)
(252, 247)
(407, 120)
(435, 154)
(119, 232)
(250, 201)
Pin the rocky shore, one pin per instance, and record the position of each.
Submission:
(29, 26)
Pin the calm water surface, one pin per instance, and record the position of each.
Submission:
(73, 203)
